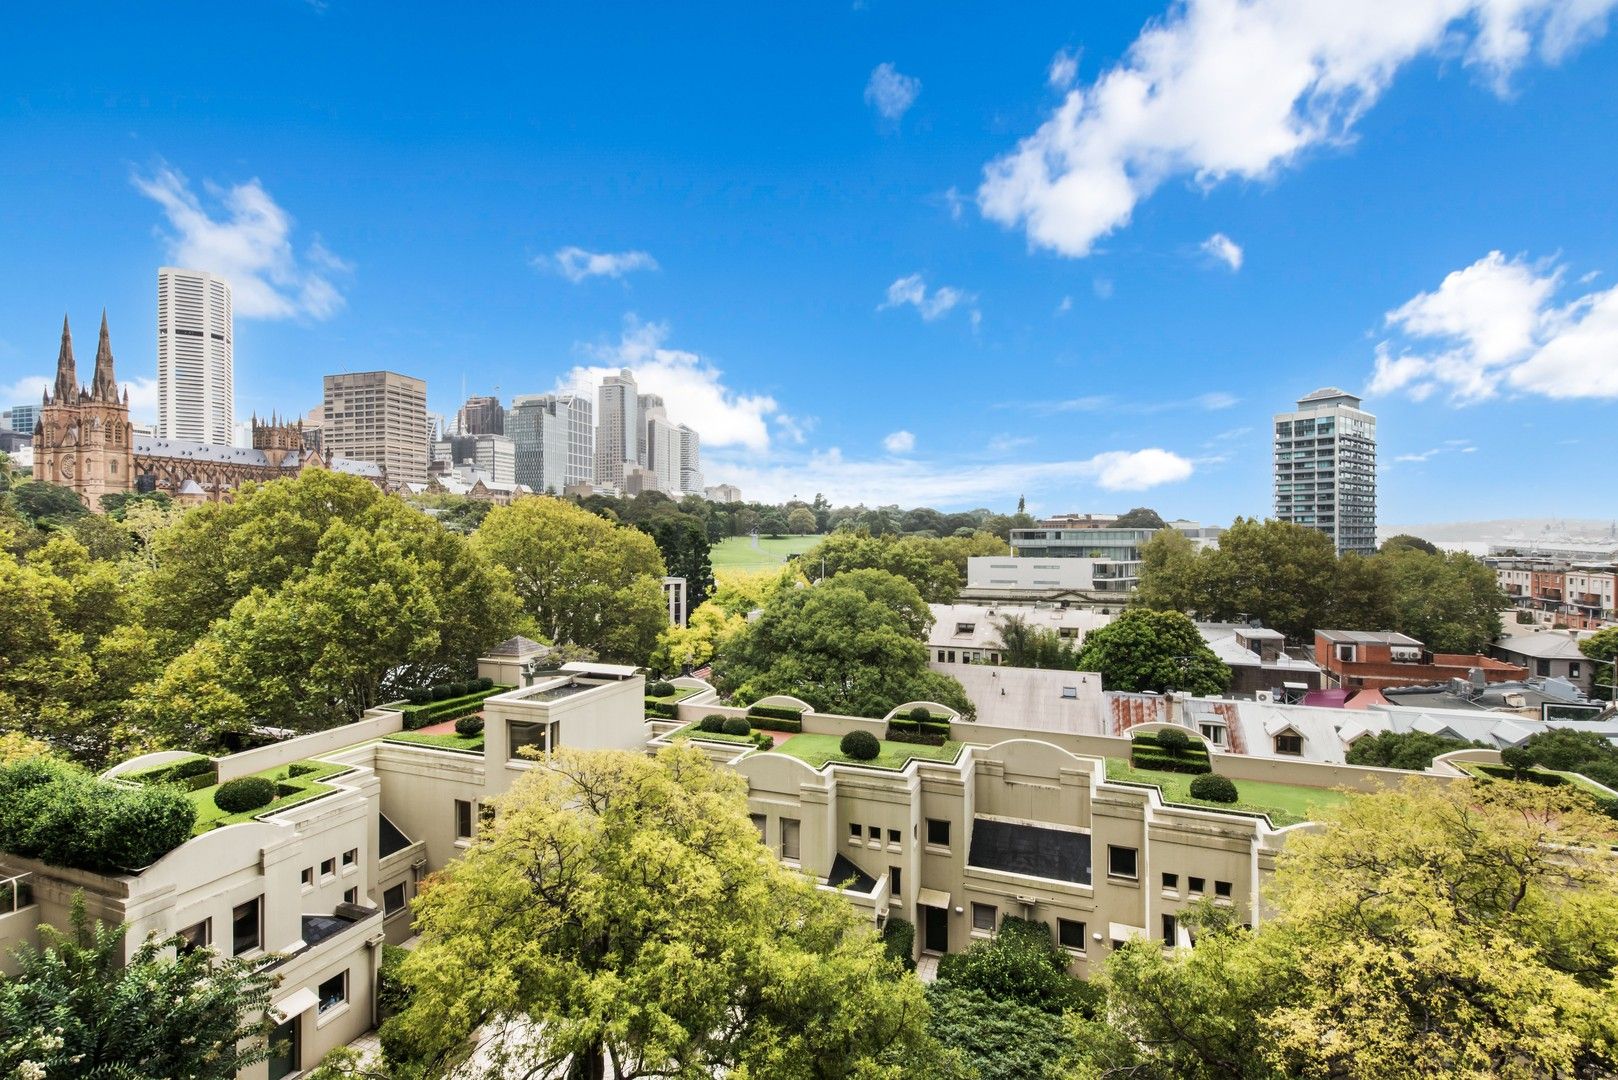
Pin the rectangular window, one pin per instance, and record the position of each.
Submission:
(874, 832)
(393, 899)
(965, 627)
(328, 867)
(463, 819)
(1070, 691)
(1195, 884)
(1070, 934)
(351, 857)
(307, 878)
(1214, 733)
(524, 734)
(855, 832)
(789, 838)
(759, 822)
(938, 832)
(1171, 881)
(333, 992)
(1168, 930)
(893, 837)
(895, 889)
(1289, 743)
(196, 936)
(1573, 671)
(244, 927)
(983, 916)
(351, 896)
(1222, 888)
(1120, 861)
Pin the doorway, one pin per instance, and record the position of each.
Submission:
(935, 929)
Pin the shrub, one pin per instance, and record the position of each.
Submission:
(713, 723)
(441, 692)
(772, 723)
(392, 992)
(300, 768)
(920, 714)
(762, 740)
(660, 688)
(860, 745)
(663, 710)
(418, 695)
(776, 712)
(917, 738)
(1604, 773)
(899, 939)
(1516, 758)
(485, 683)
(1020, 963)
(1175, 741)
(737, 725)
(1213, 788)
(467, 726)
(58, 813)
(244, 793)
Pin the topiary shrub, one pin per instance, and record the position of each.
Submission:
(468, 726)
(920, 714)
(418, 695)
(899, 939)
(1174, 740)
(713, 723)
(860, 745)
(441, 692)
(1213, 788)
(300, 768)
(660, 688)
(485, 683)
(737, 725)
(244, 793)
(1516, 758)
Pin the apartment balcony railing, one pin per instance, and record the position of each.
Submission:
(16, 893)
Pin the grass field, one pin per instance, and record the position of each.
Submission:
(308, 785)
(444, 740)
(1287, 804)
(817, 750)
(737, 552)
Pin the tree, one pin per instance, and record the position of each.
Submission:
(1602, 647)
(1142, 517)
(998, 1039)
(118, 504)
(44, 504)
(926, 563)
(583, 580)
(1450, 602)
(1567, 750)
(569, 949)
(801, 521)
(1153, 651)
(74, 1008)
(852, 643)
(773, 523)
(686, 551)
(695, 643)
(1169, 572)
(1024, 645)
(1406, 542)
(1281, 573)
(1402, 749)
(1020, 963)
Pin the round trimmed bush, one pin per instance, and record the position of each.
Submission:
(468, 726)
(860, 745)
(1213, 788)
(457, 689)
(417, 695)
(244, 793)
(440, 691)
(660, 688)
(920, 714)
(713, 723)
(737, 725)
(1174, 740)
(485, 683)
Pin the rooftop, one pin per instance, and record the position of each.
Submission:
(1018, 848)
(1367, 637)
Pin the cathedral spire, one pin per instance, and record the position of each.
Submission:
(67, 376)
(105, 386)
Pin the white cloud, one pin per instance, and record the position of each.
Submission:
(1222, 88)
(1217, 399)
(1224, 249)
(249, 245)
(576, 264)
(912, 289)
(1102, 287)
(942, 483)
(1064, 69)
(890, 93)
(1451, 446)
(956, 203)
(1065, 306)
(899, 442)
(692, 389)
(1497, 324)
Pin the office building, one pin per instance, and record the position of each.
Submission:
(618, 428)
(20, 419)
(660, 448)
(581, 437)
(481, 416)
(379, 417)
(195, 358)
(722, 493)
(1325, 469)
(690, 461)
(539, 428)
(1071, 556)
(492, 456)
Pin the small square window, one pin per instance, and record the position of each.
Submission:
(333, 992)
(983, 916)
(874, 832)
(351, 896)
(1171, 881)
(893, 836)
(1222, 888)
(938, 832)
(1287, 743)
(1070, 691)
(855, 832)
(1121, 861)
(393, 899)
(1070, 934)
(350, 857)
(1195, 884)
(307, 878)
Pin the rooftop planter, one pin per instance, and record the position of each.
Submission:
(61, 815)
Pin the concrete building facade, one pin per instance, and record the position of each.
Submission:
(540, 430)
(1325, 469)
(618, 428)
(379, 417)
(196, 396)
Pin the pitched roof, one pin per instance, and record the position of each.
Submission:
(516, 646)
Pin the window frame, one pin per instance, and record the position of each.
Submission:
(982, 912)
(237, 947)
(1113, 853)
(322, 1005)
(390, 910)
(1063, 925)
(465, 820)
(942, 825)
(793, 828)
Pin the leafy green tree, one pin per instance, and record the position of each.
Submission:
(1169, 574)
(773, 523)
(75, 1008)
(1568, 750)
(998, 1039)
(1402, 749)
(801, 521)
(852, 643)
(686, 551)
(1365, 598)
(1406, 542)
(1602, 647)
(1142, 517)
(583, 580)
(1450, 602)
(118, 504)
(574, 952)
(1153, 651)
(927, 564)
(1022, 644)
(1281, 573)
(44, 504)
(1020, 963)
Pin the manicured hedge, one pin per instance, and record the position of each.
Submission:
(1148, 752)
(713, 723)
(193, 774)
(737, 725)
(899, 939)
(918, 738)
(60, 814)
(663, 710)
(244, 793)
(469, 725)
(660, 688)
(420, 716)
(1214, 788)
(778, 712)
(860, 745)
(925, 727)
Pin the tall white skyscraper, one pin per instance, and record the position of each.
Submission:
(196, 397)
(660, 448)
(618, 428)
(690, 461)
(1325, 469)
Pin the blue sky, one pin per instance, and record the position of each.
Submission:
(886, 251)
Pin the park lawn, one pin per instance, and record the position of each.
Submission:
(1286, 804)
(738, 553)
(817, 750)
(444, 740)
(690, 731)
(210, 816)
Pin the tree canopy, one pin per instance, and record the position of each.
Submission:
(1022, 644)
(1153, 651)
(1602, 647)
(1142, 517)
(936, 566)
(1413, 750)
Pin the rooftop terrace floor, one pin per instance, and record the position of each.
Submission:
(1286, 804)
(817, 750)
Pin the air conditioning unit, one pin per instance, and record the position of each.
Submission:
(1264, 696)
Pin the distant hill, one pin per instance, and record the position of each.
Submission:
(1546, 530)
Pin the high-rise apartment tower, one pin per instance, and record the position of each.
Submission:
(196, 397)
(618, 428)
(1325, 469)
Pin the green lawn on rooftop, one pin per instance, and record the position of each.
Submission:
(445, 740)
(210, 816)
(1286, 804)
(691, 731)
(817, 750)
(680, 694)
(738, 553)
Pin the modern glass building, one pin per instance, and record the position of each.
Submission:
(1325, 469)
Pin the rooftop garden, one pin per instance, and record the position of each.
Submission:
(448, 701)
(62, 815)
(817, 750)
(288, 785)
(443, 740)
(1546, 778)
(663, 698)
(1285, 804)
(697, 731)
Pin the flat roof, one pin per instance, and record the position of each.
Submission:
(1367, 637)
(1017, 848)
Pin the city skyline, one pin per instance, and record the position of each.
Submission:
(897, 305)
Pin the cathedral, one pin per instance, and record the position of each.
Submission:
(84, 441)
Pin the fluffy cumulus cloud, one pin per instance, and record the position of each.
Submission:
(577, 264)
(246, 238)
(912, 290)
(1224, 249)
(1241, 88)
(1064, 69)
(890, 92)
(693, 390)
(1501, 324)
(899, 442)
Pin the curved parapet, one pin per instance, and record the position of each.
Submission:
(938, 711)
(783, 701)
(153, 760)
